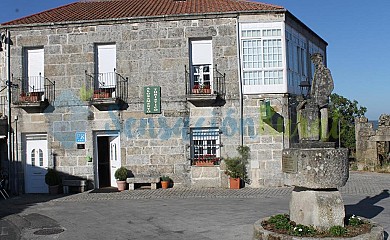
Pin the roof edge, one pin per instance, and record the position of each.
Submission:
(152, 18)
(292, 16)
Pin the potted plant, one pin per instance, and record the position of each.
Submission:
(53, 180)
(205, 89)
(236, 167)
(165, 180)
(121, 176)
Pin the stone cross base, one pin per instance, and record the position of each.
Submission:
(321, 209)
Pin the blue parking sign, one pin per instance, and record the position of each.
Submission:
(80, 137)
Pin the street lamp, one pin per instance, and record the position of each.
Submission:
(305, 85)
(6, 39)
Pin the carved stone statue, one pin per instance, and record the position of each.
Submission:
(384, 120)
(321, 88)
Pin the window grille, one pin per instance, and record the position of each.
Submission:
(205, 146)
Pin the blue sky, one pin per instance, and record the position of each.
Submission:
(357, 32)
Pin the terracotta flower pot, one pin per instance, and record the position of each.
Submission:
(164, 184)
(234, 183)
(121, 185)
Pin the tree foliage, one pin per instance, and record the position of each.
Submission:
(346, 111)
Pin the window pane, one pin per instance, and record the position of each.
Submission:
(251, 53)
(253, 78)
(40, 157)
(272, 52)
(33, 157)
(273, 77)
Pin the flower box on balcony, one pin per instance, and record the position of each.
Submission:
(201, 89)
(29, 97)
(101, 95)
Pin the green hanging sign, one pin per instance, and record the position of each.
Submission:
(152, 99)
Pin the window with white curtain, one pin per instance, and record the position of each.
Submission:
(105, 65)
(34, 70)
(262, 57)
(201, 63)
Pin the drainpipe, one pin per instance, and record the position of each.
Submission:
(9, 128)
(240, 82)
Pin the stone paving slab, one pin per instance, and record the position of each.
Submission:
(178, 213)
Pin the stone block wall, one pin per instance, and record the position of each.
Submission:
(266, 138)
(150, 53)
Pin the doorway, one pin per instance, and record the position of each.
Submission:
(107, 150)
(36, 163)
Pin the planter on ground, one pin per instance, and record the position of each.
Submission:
(235, 183)
(165, 180)
(121, 176)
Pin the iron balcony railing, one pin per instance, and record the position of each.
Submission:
(198, 81)
(3, 106)
(32, 89)
(110, 85)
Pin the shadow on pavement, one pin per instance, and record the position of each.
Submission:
(105, 190)
(16, 204)
(366, 207)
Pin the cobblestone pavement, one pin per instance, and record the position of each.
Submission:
(358, 183)
(178, 213)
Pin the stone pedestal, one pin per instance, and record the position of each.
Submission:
(316, 172)
(316, 168)
(322, 209)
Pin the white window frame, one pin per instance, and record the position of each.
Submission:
(105, 65)
(263, 69)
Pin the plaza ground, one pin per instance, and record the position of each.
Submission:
(174, 213)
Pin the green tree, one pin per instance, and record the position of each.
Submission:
(346, 111)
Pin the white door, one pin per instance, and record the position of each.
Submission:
(115, 161)
(35, 70)
(36, 163)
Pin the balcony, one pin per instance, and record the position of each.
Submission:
(205, 86)
(33, 93)
(108, 91)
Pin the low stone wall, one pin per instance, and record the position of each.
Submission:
(260, 233)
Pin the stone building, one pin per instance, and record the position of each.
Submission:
(159, 86)
(372, 145)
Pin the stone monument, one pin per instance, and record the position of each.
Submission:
(313, 111)
(314, 167)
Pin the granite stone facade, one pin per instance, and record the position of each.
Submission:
(151, 52)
